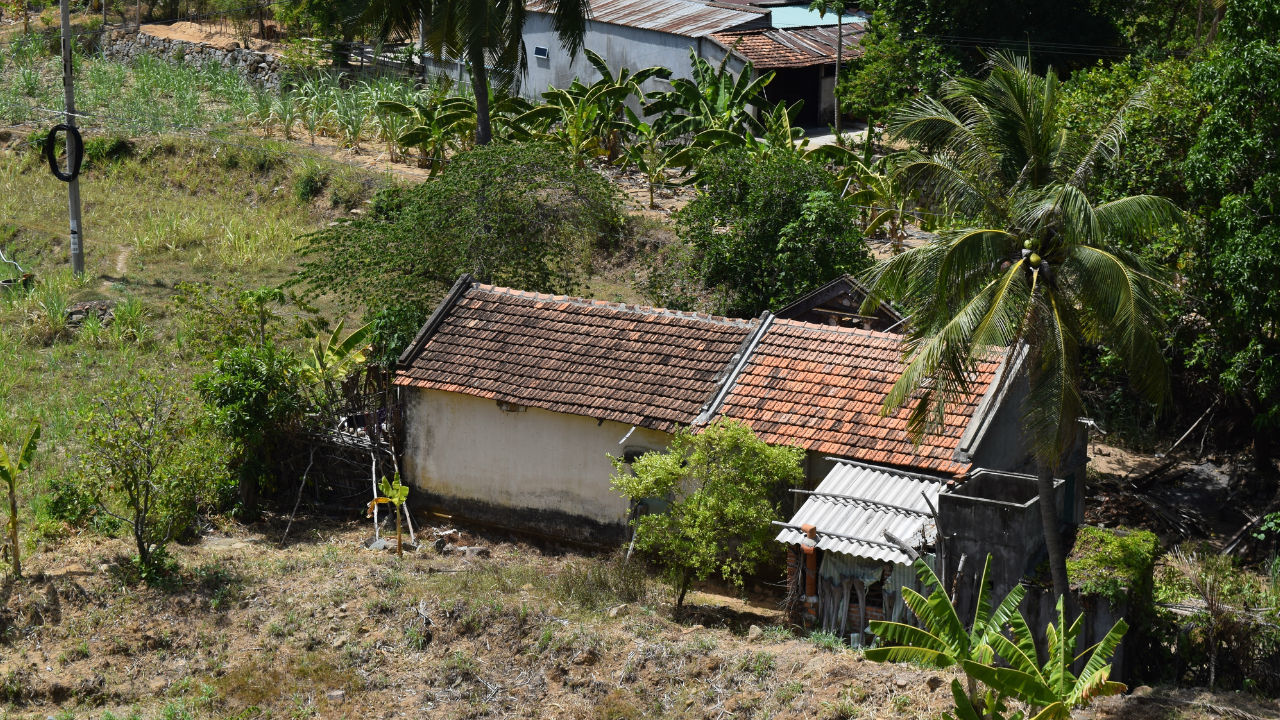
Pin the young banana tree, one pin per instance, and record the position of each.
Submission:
(434, 128)
(572, 118)
(613, 108)
(395, 493)
(942, 640)
(10, 469)
(332, 359)
(712, 100)
(1050, 690)
(878, 191)
(650, 153)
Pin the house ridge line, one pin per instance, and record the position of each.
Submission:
(735, 367)
(460, 287)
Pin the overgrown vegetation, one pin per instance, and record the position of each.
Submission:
(524, 216)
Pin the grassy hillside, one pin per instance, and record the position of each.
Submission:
(159, 214)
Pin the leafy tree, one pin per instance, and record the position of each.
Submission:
(1234, 177)
(1060, 32)
(720, 483)
(146, 465)
(253, 396)
(1044, 269)
(787, 230)
(342, 21)
(521, 215)
(10, 469)
(893, 67)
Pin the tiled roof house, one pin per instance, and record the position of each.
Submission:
(515, 400)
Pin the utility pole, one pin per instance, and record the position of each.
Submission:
(73, 187)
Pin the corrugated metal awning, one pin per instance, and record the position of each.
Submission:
(856, 504)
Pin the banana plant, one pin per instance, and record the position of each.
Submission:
(395, 493)
(618, 89)
(572, 118)
(331, 359)
(872, 187)
(650, 153)
(1050, 690)
(10, 469)
(943, 641)
(713, 99)
(435, 128)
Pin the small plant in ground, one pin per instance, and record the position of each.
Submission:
(10, 469)
(788, 692)
(395, 493)
(310, 182)
(827, 641)
(759, 664)
(778, 633)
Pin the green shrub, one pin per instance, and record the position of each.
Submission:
(1114, 564)
(253, 395)
(310, 182)
(720, 484)
(346, 191)
(106, 149)
(146, 464)
(787, 232)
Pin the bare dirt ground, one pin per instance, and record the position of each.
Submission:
(326, 628)
(218, 35)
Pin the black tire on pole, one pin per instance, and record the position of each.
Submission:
(75, 151)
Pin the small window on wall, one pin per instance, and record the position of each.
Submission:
(540, 52)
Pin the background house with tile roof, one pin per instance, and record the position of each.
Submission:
(514, 402)
(789, 39)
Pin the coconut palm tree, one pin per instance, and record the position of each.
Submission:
(482, 33)
(1043, 270)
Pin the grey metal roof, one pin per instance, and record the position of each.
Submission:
(886, 499)
(688, 18)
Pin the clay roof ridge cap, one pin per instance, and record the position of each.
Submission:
(620, 307)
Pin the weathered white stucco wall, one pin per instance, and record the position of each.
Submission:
(621, 47)
(534, 470)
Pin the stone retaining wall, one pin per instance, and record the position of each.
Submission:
(263, 68)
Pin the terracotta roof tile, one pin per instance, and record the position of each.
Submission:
(792, 47)
(822, 387)
(635, 365)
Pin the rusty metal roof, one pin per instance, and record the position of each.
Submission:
(687, 18)
(856, 503)
(793, 47)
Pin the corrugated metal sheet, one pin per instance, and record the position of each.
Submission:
(687, 18)
(866, 518)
